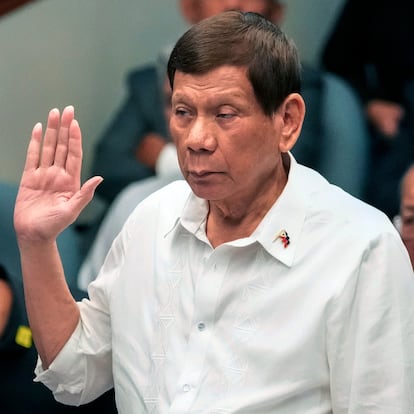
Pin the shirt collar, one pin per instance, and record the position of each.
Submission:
(285, 219)
(286, 215)
(193, 217)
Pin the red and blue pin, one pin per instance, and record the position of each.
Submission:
(284, 237)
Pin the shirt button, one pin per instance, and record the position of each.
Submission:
(201, 326)
(186, 387)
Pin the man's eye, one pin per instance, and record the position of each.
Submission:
(181, 112)
(225, 115)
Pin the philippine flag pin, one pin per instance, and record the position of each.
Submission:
(284, 237)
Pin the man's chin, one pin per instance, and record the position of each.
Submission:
(206, 191)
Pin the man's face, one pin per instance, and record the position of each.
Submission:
(209, 8)
(227, 147)
(407, 214)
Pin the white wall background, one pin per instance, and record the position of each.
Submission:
(59, 52)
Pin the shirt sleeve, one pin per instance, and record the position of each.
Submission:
(82, 371)
(370, 334)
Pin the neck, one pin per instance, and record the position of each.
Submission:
(235, 219)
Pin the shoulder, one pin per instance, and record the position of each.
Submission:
(331, 206)
(346, 233)
(166, 202)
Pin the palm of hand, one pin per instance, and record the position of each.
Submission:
(50, 196)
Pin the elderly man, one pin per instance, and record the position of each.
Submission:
(252, 286)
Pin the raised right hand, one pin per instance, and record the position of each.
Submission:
(50, 195)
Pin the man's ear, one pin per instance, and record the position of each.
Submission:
(292, 112)
(189, 10)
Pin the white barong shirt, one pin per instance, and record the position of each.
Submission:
(311, 314)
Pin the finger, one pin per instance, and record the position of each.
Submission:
(49, 141)
(87, 190)
(33, 150)
(82, 198)
(74, 155)
(63, 137)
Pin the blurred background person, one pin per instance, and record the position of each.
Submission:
(372, 47)
(405, 220)
(19, 394)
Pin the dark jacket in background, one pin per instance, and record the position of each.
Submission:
(372, 47)
(19, 394)
(141, 113)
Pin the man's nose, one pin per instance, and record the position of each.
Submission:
(200, 136)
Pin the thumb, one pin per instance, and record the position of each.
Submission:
(83, 197)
